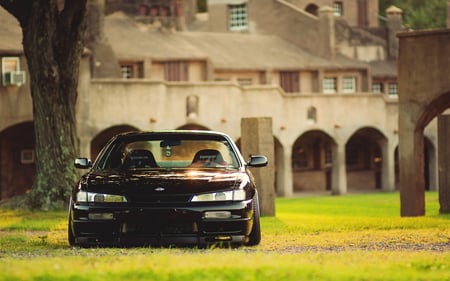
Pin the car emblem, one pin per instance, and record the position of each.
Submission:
(160, 189)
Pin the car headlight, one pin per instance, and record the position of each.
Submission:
(232, 195)
(83, 196)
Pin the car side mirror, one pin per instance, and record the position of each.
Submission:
(83, 163)
(257, 161)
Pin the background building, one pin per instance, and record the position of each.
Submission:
(324, 71)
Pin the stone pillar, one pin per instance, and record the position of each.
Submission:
(389, 167)
(339, 173)
(394, 25)
(257, 138)
(444, 163)
(285, 177)
(411, 159)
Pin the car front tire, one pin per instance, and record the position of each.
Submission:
(255, 234)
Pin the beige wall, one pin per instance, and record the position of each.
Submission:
(350, 9)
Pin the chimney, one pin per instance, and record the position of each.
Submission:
(326, 46)
(180, 20)
(104, 63)
(394, 25)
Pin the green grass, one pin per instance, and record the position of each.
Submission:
(353, 237)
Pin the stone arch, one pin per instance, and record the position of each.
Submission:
(312, 160)
(364, 159)
(17, 168)
(100, 140)
(193, 126)
(424, 93)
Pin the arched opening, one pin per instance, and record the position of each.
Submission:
(17, 167)
(193, 126)
(312, 9)
(100, 140)
(312, 162)
(364, 159)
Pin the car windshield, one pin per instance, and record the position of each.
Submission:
(169, 153)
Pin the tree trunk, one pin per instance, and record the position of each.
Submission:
(52, 40)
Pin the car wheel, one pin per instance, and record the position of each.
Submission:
(70, 236)
(255, 234)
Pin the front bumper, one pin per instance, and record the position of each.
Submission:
(127, 225)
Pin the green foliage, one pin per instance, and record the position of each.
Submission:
(419, 14)
(353, 237)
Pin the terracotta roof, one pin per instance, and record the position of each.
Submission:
(10, 32)
(131, 40)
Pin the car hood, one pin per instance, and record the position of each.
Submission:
(138, 185)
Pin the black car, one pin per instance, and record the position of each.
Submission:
(166, 188)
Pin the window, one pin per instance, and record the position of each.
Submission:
(27, 156)
(176, 71)
(349, 84)
(289, 81)
(329, 85)
(132, 69)
(338, 8)
(245, 81)
(392, 89)
(237, 17)
(377, 88)
(11, 73)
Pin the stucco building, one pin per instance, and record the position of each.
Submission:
(324, 71)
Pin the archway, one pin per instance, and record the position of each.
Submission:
(17, 168)
(364, 159)
(312, 9)
(100, 140)
(193, 126)
(424, 93)
(312, 158)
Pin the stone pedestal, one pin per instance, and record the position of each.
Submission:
(257, 139)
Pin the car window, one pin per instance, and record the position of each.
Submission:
(172, 153)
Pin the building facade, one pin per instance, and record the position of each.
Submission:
(323, 72)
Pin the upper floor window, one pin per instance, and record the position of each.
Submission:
(377, 87)
(11, 73)
(329, 85)
(131, 69)
(349, 84)
(392, 89)
(290, 81)
(338, 8)
(176, 71)
(237, 17)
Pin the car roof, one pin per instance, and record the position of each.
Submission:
(174, 132)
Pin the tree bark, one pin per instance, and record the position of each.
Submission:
(52, 40)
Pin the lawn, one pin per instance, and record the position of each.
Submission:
(352, 237)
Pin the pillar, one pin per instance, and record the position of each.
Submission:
(257, 138)
(339, 174)
(444, 163)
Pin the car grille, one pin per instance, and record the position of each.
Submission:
(152, 198)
